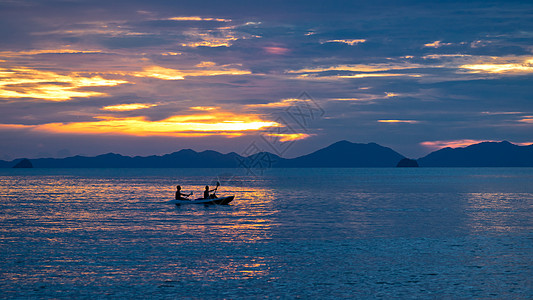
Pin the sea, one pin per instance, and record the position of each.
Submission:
(346, 233)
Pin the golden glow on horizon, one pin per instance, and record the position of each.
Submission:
(128, 107)
(46, 85)
(219, 123)
(452, 143)
(286, 137)
(174, 74)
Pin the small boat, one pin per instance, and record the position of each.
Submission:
(218, 200)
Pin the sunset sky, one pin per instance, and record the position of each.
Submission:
(153, 77)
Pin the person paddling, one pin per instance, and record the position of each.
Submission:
(179, 194)
(207, 191)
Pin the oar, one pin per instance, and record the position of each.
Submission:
(215, 192)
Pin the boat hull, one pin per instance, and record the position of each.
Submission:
(218, 200)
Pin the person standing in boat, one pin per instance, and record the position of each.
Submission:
(207, 191)
(179, 194)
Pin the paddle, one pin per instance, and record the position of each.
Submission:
(215, 192)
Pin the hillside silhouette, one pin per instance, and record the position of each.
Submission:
(342, 154)
(486, 154)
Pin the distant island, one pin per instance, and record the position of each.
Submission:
(342, 154)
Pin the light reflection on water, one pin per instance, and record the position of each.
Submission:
(318, 233)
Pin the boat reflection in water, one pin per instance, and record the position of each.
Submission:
(317, 233)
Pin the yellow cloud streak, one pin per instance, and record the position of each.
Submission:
(436, 44)
(287, 137)
(128, 107)
(509, 68)
(368, 97)
(350, 42)
(196, 18)
(399, 121)
(282, 103)
(47, 51)
(204, 108)
(174, 74)
(223, 123)
(46, 85)
(356, 68)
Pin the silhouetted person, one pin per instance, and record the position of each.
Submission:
(179, 194)
(207, 191)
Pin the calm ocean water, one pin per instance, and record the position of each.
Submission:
(308, 233)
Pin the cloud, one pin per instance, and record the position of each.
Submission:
(287, 137)
(399, 121)
(520, 66)
(277, 104)
(128, 107)
(215, 123)
(204, 69)
(277, 50)
(204, 108)
(196, 18)
(350, 42)
(21, 82)
(356, 68)
(527, 119)
(219, 37)
(367, 97)
(47, 51)
(437, 44)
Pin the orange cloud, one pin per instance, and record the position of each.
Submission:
(23, 82)
(221, 123)
(527, 119)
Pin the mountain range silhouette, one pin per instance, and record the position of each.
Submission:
(338, 155)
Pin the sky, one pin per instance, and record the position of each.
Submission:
(152, 77)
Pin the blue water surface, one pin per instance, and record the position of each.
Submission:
(290, 233)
